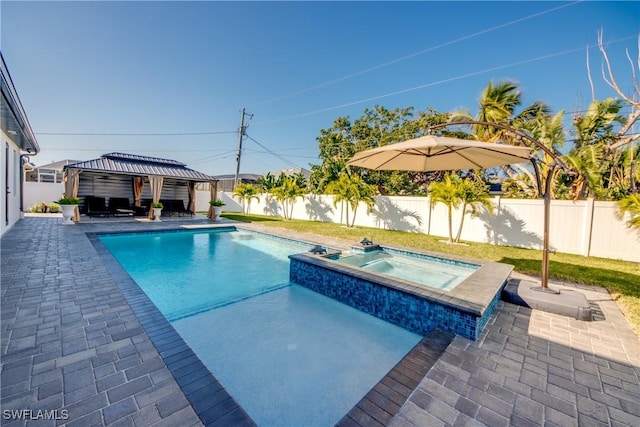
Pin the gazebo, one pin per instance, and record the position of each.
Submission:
(137, 178)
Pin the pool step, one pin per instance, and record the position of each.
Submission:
(382, 402)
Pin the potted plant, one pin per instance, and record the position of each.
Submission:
(157, 210)
(217, 205)
(68, 205)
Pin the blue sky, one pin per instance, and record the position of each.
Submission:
(182, 71)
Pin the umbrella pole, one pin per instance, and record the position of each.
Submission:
(544, 282)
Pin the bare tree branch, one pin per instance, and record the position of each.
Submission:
(611, 81)
(633, 69)
(593, 91)
(625, 139)
(634, 100)
(527, 172)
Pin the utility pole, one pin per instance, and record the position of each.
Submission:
(240, 135)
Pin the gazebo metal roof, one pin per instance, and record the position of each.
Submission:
(131, 164)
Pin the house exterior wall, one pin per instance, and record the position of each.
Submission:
(10, 177)
(16, 137)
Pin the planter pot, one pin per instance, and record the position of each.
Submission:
(156, 214)
(217, 210)
(67, 213)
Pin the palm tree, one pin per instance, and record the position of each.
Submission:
(591, 159)
(245, 192)
(350, 190)
(631, 205)
(300, 179)
(287, 193)
(549, 131)
(498, 104)
(624, 172)
(597, 124)
(587, 164)
(473, 194)
(267, 182)
(447, 193)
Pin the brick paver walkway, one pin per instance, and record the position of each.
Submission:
(532, 368)
(70, 340)
(71, 343)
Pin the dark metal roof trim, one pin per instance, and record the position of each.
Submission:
(145, 159)
(128, 164)
(14, 119)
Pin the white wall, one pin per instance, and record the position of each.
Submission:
(202, 201)
(37, 192)
(584, 227)
(9, 167)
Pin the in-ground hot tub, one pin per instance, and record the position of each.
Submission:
(374, 279)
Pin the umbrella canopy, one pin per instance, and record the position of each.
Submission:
(437, 153)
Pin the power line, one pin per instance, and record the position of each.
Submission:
(290, 155)
(273, 153)
(448, 80)
(269, 165)
(219, 156)
(430, 49)
(134, 134)
(127, 148)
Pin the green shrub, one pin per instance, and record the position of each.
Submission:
(68, 201)
(39, 208)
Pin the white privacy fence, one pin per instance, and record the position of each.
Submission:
(583, 227)
(38, 192)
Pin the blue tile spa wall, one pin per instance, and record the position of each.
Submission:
(412, 312)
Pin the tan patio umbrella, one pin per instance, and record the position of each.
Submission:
(439, 153)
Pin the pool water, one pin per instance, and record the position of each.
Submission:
(185, 273)
(421, 271)
(288, 355)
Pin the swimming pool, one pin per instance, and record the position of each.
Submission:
(288, 355)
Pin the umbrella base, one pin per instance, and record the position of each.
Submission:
(565, 303)
(547, 290)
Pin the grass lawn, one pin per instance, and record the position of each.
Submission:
(621, 278)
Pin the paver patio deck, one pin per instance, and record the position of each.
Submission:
(71, 343)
